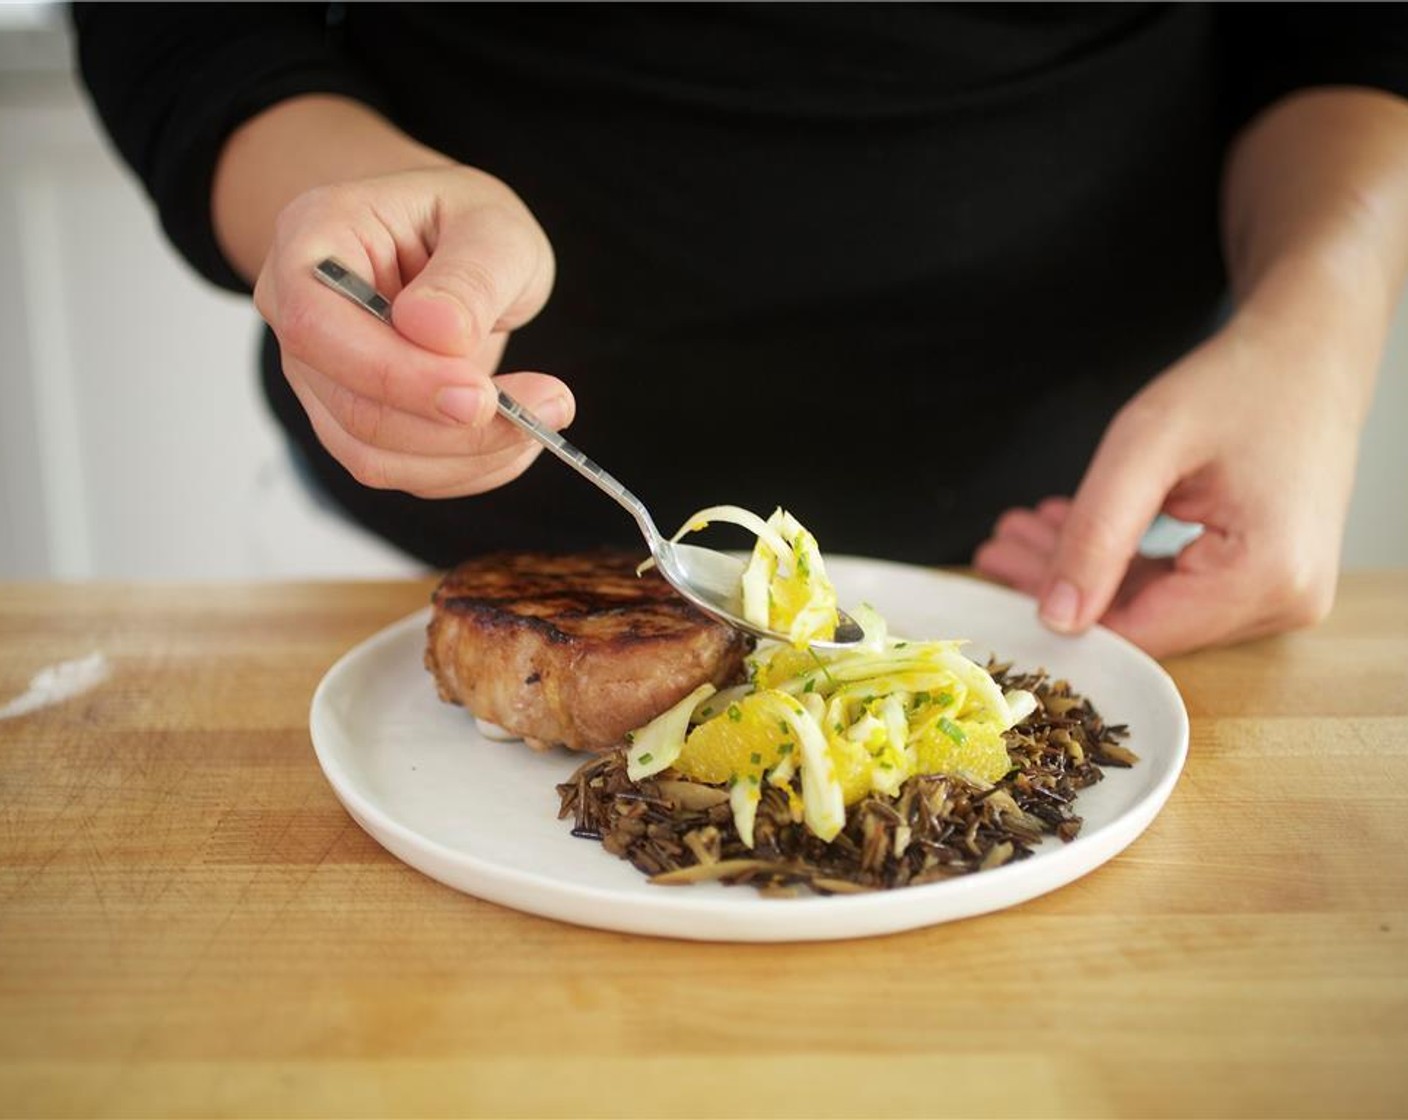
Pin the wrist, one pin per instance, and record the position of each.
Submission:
(1325, 314)
(1315, 226)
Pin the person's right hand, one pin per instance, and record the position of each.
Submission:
(464, 263)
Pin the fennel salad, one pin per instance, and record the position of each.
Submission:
(826, 730)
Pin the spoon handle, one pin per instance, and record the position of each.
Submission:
(582, 463)
(344, 281)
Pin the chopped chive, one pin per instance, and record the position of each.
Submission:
(822, 664)
(952, 730)
(755, 758)
(735, 713)
(810, 685)
(784, 748)
(646, 758)
(630, 736)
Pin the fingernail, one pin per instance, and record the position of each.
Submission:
(556, 412)
(463, 404)
(1059, 608)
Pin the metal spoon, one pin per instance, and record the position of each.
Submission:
(711, 580)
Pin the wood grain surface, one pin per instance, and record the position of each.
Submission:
(190, 924)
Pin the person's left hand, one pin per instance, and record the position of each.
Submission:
(1252, 436)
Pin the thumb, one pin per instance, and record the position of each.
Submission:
(487, 274)
(1134, 469)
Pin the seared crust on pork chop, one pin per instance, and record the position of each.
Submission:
(572, 649)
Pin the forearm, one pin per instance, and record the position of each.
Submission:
(1315, 224)
(290, 148)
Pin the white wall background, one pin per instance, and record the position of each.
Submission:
(134, 443)
(133, 440)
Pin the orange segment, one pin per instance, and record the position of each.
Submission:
(950, 746)
(793, 596)
(785, 664)
(853, 767)
(748, 738)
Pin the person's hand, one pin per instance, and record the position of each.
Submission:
(464, 263)
(1255, 434)
(1249, 436)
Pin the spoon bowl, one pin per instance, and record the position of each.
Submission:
(709, 579)
(712, 581)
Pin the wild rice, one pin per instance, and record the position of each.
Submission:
(937, 827)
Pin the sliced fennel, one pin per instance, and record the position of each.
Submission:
(655, 746)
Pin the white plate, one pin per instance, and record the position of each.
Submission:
(481, 816)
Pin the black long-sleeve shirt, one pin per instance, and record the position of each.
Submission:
(892, 267)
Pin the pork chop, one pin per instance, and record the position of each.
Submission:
(571, 649)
